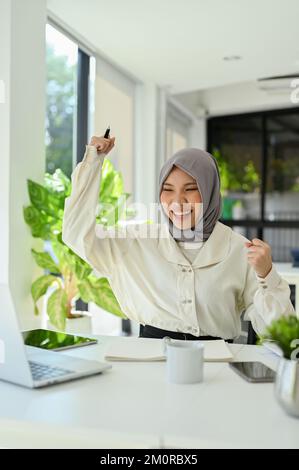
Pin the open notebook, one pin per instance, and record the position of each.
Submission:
(151, 349)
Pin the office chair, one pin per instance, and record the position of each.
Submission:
(251, 334)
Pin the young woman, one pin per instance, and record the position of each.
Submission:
(191, 277)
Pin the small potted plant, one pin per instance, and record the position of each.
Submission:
(284, 332)
(239, 185)
(67, 277)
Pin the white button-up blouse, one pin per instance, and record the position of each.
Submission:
(155, 283)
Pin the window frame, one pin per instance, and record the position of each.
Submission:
(82, 114)
(176, 121)
(261, 223)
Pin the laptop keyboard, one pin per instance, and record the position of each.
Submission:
(42, 371)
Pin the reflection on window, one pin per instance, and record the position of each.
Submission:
(62, 55)
(282, 242)
(282, 198)
(237, 147)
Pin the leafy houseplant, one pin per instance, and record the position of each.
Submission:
(234, 178)
(67, 274)
(285, 333)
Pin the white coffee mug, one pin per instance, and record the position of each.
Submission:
(184, 361)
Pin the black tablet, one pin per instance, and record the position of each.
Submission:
(55, 341)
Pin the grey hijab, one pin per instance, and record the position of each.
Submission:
(202, 166)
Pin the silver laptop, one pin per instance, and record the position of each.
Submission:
(35, 367)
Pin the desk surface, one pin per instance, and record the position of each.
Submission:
(134, 399)
(287, 269)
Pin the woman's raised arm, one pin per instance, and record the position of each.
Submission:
(92, 242)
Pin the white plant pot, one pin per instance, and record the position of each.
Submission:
(81, 325)
(287, 386)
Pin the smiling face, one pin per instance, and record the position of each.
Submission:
(181, 199)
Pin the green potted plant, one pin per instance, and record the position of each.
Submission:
(66, 275)
(235, 178)
(284, 332)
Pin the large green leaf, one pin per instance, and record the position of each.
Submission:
(58, 183)
(38, 222)
(86, 291)
(100, 293)
(118, 185)
(106, 186)
(57, 308)
(82, 269)
(45, 200)
(112, 210)
(62, 253)
(111, 182)
(68, 260)
(40, 287)
(44, 260)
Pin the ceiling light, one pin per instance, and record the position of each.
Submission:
(232, 57)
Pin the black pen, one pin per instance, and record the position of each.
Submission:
(107, 132)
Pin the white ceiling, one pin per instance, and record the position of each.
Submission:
(181, 43)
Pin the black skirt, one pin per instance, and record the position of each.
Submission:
(147, 331)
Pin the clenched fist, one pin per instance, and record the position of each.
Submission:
(259, 256)
(103, 145)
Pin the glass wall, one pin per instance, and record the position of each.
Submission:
(258, 159)
(282, 196)
(61, 62)
(237, 146)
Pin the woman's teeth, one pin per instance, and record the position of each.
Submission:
(181, 214)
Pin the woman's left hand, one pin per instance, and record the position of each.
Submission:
(259, 256)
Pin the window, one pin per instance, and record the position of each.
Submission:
(69, 107)
(258, 159)
(114, 105)
(177, 130)
(62, 68)
(237, 146)
(282, 188)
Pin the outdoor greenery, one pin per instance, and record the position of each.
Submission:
(236, 178)
(61, 102)
(284, 332)
(70, 276)
(284, 174)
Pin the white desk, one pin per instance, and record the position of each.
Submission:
(291, 275)
(132, 405)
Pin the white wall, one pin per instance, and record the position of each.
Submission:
(145, 167)
(22, 148)
(198, 132)
(4, 138)
(237, 98)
